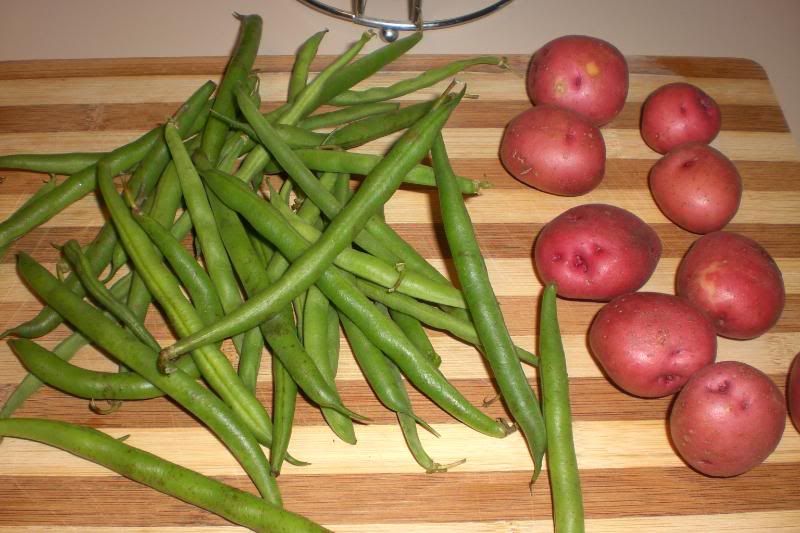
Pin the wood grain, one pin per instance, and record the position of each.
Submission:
(632, 480)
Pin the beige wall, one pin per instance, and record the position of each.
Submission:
(767, 31)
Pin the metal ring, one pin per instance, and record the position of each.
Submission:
(396, 25)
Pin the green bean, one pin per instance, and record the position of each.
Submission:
(374, 127)
(237, 70)
(192, 276)
(102, 247)
(366, 66)
(375, 191)
(562, 465)
(66, 164)
(346, 114)
(44, 189)
(416, 334)
(213, 364)
(188, 393)
(380, 373)
(334, 340)
(73, 188)
(65, 350)
(433, 317)
(302, 63)
(378, 271)
(315, 341)
(362, 164)
(169, 478)
(309, 98)
(100, 294)
(279, 330)
(498, 348)
(294, 136)
(47, 367)
(284, 394)
(213, 250)
(426, 79)
(342, 293)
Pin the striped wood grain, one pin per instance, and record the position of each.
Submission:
(632, 480)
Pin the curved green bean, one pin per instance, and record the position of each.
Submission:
(188, 393)
(345, 115)
(99, 293)
(426, 79)
(237, 70)
(230, 503)
(416, 334)
(302, 63)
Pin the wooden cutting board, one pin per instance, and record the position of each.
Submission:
(632, 480)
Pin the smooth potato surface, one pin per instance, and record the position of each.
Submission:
(734, 281)
(649, 344)
(696, 187)
(679, 113)
(728, 419)
(554, 150)
(596, 252)
(581, 73)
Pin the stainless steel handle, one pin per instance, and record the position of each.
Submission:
(390, 28)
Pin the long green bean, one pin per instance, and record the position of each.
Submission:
(498, 348)
(562, 465)
(230, 503)
(194, 397)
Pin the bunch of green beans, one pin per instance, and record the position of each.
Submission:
(289, 267)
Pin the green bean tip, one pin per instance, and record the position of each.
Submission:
(438, 468)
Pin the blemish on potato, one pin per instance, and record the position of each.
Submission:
(592, 69)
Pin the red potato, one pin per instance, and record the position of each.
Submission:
(734, 281)
(596, 252)
(554, 150)
(727, 419)
(696, 187)
(793, 391)
(679, 113)
(649, 344)
(584, 74)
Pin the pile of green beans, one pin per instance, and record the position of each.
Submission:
(289, 261)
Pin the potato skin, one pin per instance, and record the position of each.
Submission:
(696, 187)
(679, 113)
(581, 73)
(596, 252)
(727, 419)
(554, 150)
(734, 281)
(793, 391)
(649, 344)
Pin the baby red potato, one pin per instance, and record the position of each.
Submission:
(649, 344)
(727, 419)
(679, 113)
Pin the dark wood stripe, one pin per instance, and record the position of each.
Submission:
(413, 498)
(470, 114)
(516, 240)
(709, 67)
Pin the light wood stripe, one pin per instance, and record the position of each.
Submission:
(776, 521)
(138, 89)
(771, 353)
(382, 450)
